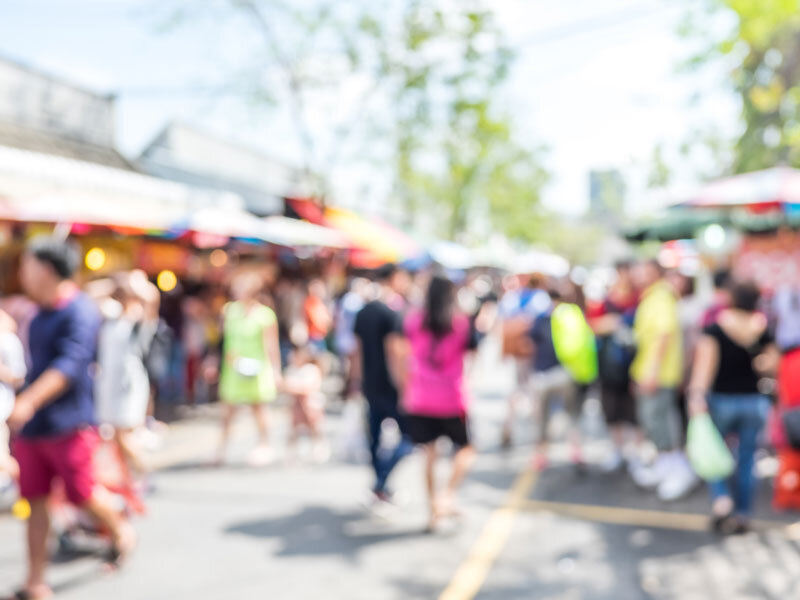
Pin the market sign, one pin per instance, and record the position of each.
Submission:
(771, 261)
(155, 257)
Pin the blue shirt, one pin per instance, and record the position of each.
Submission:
(525, 302)
(544, 357)
(64, 339)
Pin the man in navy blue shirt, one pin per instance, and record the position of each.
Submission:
(53, 416)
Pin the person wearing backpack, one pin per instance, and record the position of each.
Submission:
(559, 371)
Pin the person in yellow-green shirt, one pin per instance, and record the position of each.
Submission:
(657, 373)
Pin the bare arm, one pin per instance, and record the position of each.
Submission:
(651, 383)
(8, 376)
(48, 386)
(706, 362)
(768, 361)
(356, 368)
(605, 325)
(396, 348)
(272, 349)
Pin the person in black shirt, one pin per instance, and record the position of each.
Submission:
(379, 329)
(731, 357)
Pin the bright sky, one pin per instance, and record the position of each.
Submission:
(595, 82)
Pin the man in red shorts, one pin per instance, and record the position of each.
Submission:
(53, 417)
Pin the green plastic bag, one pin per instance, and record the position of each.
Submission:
(707, 451)
(574, 342)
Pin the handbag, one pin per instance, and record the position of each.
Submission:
(709, 455)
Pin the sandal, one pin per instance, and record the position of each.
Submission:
(117, 555)
(23, 594)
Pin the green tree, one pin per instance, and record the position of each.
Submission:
(762, 44)
(455, 149)
(413, 85)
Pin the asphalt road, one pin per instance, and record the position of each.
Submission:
(300, 531)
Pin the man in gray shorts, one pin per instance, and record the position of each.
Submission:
(657, 372)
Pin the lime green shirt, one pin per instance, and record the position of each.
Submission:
(656, 317)
(244, 338)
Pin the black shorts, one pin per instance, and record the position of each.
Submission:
(619, 406)
(424, 429)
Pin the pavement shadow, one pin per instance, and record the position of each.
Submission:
(411, 589)
(322, 531)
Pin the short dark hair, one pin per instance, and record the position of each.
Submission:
(722, 279)
(623, 265)
(63, 256)
(745, 296)
(385, 272)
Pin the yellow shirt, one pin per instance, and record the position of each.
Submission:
(657, 316)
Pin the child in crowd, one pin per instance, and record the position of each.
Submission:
(12, 376)
(303, 382)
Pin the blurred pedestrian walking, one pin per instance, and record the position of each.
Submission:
(657, 372)
(122, 386)
(612, 323)
(379, 330)
(732, 356)
(786, 417)
(551, 382)
(53, 416)
(434, 392)
(12, 376)
(303, 382)
(524, 300)
(251, 365)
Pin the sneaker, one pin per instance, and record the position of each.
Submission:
(679, 482)
(321, 453)
(540, 462)
(8, 492)
(260, 456)
(650, 476)
(613, 463)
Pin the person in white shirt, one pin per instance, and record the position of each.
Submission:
(12, 376)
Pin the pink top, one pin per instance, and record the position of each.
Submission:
(435, 385)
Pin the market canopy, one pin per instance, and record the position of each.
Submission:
(765, 190)
(296, 232)
(88, 209)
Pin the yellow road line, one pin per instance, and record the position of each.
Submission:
(635, 517)
(472, 573)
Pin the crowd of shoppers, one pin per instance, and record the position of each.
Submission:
(651, 347)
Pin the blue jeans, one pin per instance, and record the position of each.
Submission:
(384, 463)
(741, 416)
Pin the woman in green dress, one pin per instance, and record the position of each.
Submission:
(251, 365)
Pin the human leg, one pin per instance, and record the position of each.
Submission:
(228, 412)
(430, 483)
(750, 425)
(261, 416)
(37, 532)
(375, 418)
(129, 449)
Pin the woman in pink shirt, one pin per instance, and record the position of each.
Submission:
(439, 337)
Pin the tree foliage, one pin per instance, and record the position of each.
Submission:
(761, 42)
(411, 87)
(455, 148)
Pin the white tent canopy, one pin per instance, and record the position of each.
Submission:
(294, 232)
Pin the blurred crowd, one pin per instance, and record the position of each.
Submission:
(85, 369)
